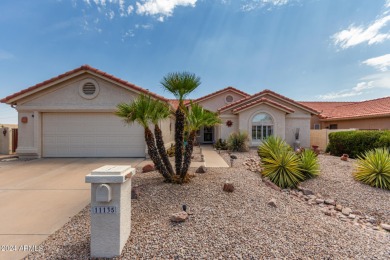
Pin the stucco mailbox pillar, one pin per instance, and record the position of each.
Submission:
(110, 209)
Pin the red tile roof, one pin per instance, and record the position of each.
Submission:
(242, 93)
(262, 93)
(83, 68)
(353, 110)
(261, 101)
(324, 108)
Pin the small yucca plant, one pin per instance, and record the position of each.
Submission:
(309, 164)
(374, 168)
(272, 144)
(238, 141)
(282, 168)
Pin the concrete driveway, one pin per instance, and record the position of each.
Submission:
(39, 196)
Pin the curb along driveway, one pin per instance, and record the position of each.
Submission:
(39, 196)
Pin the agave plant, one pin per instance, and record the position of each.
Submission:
(272, 144)
(283, 168)
(309, 164)
(373, 168)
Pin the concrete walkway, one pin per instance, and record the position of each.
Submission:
(212, 158)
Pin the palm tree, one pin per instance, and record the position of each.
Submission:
(140, 111)
(159, 112)
(180, 84)
(196, 118)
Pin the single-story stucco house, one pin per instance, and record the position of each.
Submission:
(371, 114)
(72, 115)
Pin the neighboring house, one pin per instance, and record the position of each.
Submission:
(365, 115)
(72, 115)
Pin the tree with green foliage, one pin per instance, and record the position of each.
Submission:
(148, 111)
(141, 111)
(196, 117)
(180, 84)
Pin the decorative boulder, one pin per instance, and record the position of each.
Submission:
(148, 168)
(135, 192)
(228, 187)
(272, 203)
(179, 216)
(201, 169)
(233, 156)
(344, 157)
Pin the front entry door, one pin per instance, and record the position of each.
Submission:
(208, 134)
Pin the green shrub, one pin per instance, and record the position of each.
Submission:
(374, 168)
(384, 140)
(282, 168)
(309, 164)
(238, 141)
(221, 144)
(272, 144)
(355, 143)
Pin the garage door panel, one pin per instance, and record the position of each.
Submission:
(90, 135)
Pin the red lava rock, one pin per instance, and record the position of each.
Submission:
(148, 168)
(135, 192)
(179, 216)
(344, 157)
(228, 187)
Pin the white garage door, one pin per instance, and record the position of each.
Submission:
(90, 135)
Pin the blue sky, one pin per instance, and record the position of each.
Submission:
(324, 50)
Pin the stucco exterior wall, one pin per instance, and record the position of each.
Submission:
(292, 123)
(382, 123)
(246, 116)
(214, 103)
(5, 140)
(225, 131)
(168, 129)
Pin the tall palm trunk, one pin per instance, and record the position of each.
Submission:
(187, 155)
(153, 153)
(179, 134)
(161, 149)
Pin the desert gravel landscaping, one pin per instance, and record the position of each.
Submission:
(241, 224)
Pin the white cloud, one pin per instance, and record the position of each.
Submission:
(363, 86)
(161, 8)
(339, 94)
(376, 32)
(254, 4)
(130, 9)
(381, 63)
(144, 26)
(372, 83)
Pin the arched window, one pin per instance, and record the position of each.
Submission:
(262, 126)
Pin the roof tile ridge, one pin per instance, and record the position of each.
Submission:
(220, 91)
(240, 101)
(288, 99)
